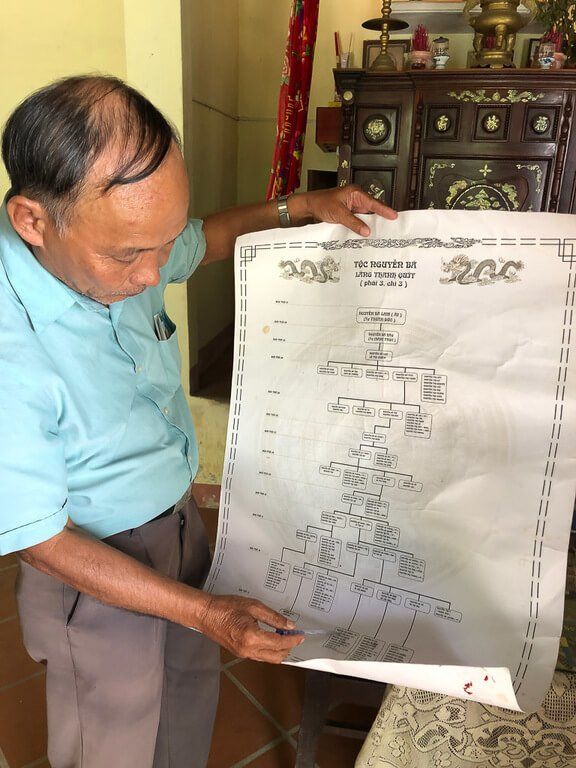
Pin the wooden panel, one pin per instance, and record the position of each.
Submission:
(541, 124)
(318, 179)
(443, 122)
(478, 184)
(378, 183)
(328, 128)
(492, 123)
(377, 129)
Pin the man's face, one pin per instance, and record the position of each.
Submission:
(115, 244)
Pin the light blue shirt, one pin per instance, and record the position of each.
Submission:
(94, 424)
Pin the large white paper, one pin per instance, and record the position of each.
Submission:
(400, 458)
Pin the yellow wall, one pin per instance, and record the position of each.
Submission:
(41, 41)
(210, 66)
(259, 73)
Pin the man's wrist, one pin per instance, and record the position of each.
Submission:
(299, 209)
(284, 217)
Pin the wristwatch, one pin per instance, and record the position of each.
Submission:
(283, 213)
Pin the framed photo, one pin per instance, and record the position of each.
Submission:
(530, 51)
(396, 49)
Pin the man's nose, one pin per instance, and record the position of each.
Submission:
(148, 272)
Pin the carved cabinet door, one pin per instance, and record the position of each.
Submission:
(481, 184)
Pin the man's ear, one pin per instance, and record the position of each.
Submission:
(29, 219)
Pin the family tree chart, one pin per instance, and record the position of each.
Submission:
(398, 471)
(359, 529)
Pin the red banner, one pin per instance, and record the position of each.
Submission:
(293, 101)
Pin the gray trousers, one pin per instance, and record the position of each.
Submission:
(124, 689)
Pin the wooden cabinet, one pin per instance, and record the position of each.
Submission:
(479, 139)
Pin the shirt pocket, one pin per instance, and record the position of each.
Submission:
(170, 362)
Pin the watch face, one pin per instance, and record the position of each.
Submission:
(491, 123)
(442, 123)
(540, 124)
(376, 129)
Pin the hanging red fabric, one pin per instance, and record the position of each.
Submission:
(294, 97)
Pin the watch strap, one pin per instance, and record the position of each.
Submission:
(283, 213)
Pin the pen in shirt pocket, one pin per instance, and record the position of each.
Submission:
(158, 328)
(163, 326)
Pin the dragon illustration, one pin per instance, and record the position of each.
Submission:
(466, 271)
(325, 271)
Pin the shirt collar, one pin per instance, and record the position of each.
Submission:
(43, 296)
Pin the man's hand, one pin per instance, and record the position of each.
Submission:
(233, 623)
(335, 206)
(338, 206)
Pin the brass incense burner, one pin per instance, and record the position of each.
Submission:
(500, 20)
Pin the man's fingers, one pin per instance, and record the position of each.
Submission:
(365, 203)
(340, 205)
(269, 616)
(271, 658)
(255, 643)
(353, 222)
(382, 210)
(270, 641)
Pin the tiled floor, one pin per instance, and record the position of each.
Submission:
(258, 715)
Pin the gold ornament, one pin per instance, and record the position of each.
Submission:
(491, 123)
(512, 97)
(498, 19)
(442, 123)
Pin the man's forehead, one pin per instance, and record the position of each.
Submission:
(142, 210)
(109, 221)
(164, 181)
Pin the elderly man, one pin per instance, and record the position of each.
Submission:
(97, 449)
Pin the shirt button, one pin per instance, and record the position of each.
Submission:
(166, 411)
(138, 369)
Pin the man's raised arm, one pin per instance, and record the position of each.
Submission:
(335, 206)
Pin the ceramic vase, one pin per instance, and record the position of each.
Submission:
(440, 60)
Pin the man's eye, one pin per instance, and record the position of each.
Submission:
(126, 258)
